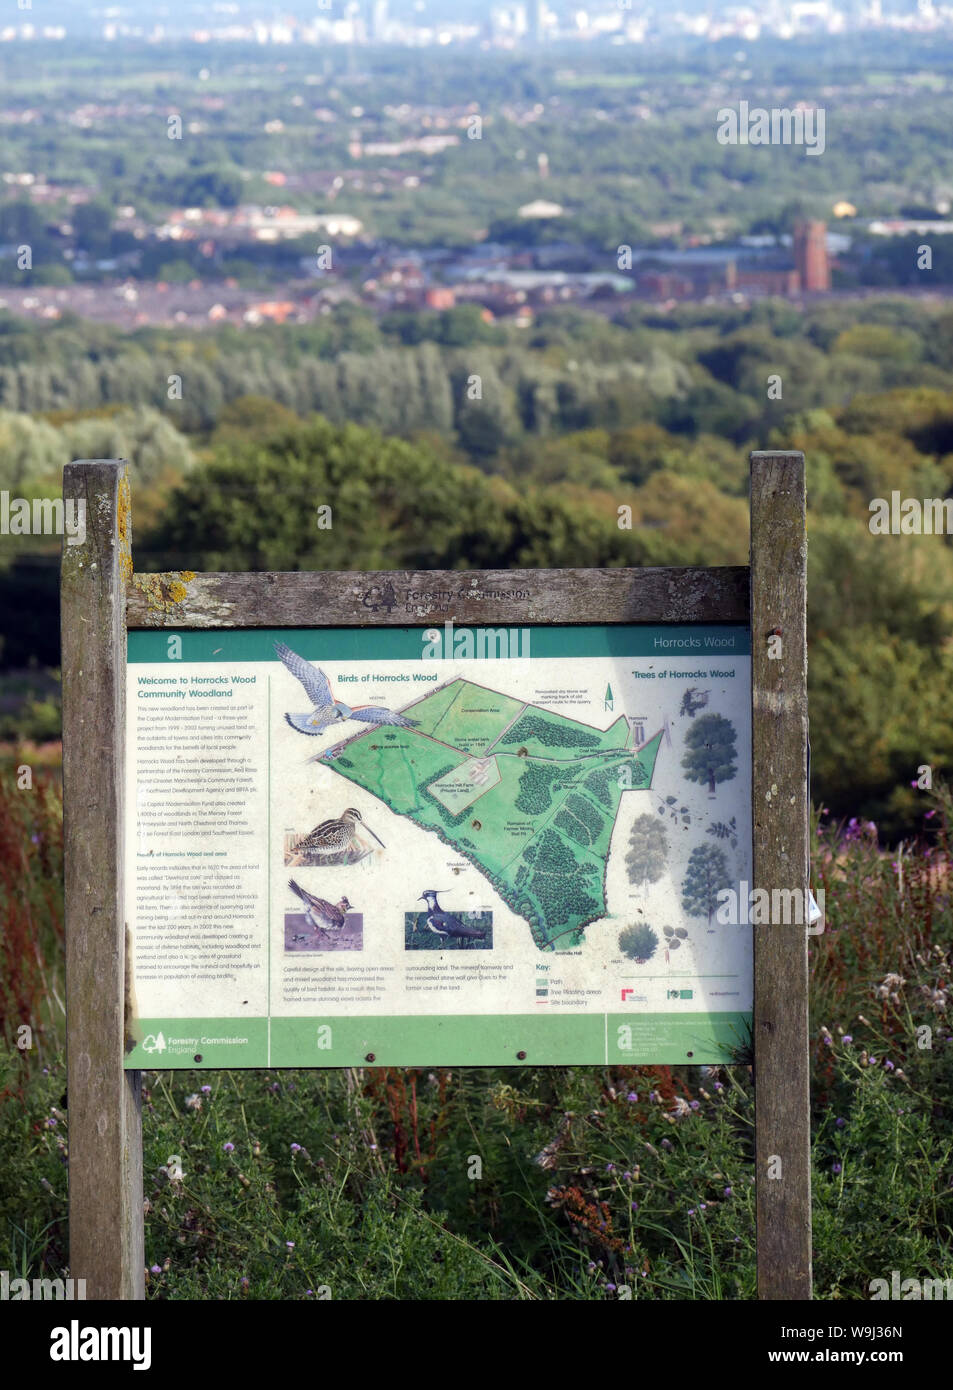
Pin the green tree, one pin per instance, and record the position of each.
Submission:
(706, 875)
(648, 848)
(638, 943)
(711, 753)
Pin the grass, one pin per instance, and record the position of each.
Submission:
(510, 1183)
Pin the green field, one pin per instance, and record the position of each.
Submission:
(528, 796)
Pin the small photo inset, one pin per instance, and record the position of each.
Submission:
(434, 927)
(320, 925)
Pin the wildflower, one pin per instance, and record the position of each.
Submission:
(691, 1211)
(296, 1148)
(695, 1105)
(229, 1148)
(848, 1038)
(836, 1168)
(728, 1192)
(193, 1102)
(680, 1107)
(275, 1086)
(610, 1167)
(155, 1269)
(737, 1240)
(634, 1206)
(206, 1090)
(666, 1143)
(50, 1122)
(653, 1095)
(632, 1097)
(610, 1288)
(290, 1244)
(889, 1065)
(840, 1122)
(626, 1177)
(718, 1086)
(871, 1061)
(702, 1206)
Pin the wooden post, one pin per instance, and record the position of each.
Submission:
(105, 1121)
(781, 861)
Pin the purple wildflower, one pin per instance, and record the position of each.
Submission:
(836, 1168)
(229, 1148)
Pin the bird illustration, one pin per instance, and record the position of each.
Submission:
(447, 923)
(327, 710)
(334, 841)
(321, 916)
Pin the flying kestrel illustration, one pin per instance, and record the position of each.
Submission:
(327, 710)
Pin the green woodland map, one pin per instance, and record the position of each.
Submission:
(528, 796)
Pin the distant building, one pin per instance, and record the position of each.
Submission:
(540, 208)
(440, 297)
(810, 257)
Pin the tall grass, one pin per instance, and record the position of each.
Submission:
(513, 1183)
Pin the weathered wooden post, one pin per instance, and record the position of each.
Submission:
(105, 1130)
(781, 861)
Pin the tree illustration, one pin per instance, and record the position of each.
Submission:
(648, 848)
(706, 875)
(638, 943)
(711, 751)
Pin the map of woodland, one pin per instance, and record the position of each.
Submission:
(528, 796)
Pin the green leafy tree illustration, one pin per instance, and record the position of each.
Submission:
(711, 753)
(648, 849)
(638, 943)
(706, 875)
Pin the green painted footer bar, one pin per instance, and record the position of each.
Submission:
(477, 1040)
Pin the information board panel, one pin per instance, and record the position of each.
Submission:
(437, 846)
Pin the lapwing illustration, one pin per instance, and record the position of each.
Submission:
(447, 923)
(338, 841)
(321, 916)
(327, 710)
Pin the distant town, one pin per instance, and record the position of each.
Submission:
(507, 282)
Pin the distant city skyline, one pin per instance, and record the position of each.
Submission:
(418, 23)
